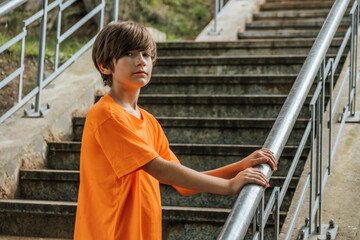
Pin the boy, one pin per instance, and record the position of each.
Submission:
(124, 152)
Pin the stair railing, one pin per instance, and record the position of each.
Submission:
(8, 6)
(249, 206)
(218, 7)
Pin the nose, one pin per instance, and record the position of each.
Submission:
(140, 60)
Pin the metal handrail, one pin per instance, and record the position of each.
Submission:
(249, 198)
(10, 5)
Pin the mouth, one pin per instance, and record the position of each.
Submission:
(140, 72)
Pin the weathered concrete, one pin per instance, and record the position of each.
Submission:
(23, 140)
(231, 20)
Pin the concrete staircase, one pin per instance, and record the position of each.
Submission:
(216, 102)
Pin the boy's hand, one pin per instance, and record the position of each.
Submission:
(260, 156)
(249, 175)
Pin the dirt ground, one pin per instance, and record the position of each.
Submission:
(9, 64)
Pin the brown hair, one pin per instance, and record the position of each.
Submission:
(117, 38)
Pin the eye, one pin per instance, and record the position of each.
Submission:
(146, 54)
(128, 54)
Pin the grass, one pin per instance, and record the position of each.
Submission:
(179, 19)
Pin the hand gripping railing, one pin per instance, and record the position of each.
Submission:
(250, 203)
(61, 5)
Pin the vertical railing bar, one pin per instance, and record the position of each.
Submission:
(352, 18)
(331, 110)
(255, 221)
(312, 154)
(318, 132)
(356, 54)
(102, 12)
(116, 10)
(322, 109)
(58, 34)
(216, 14)
(277, 214)
(261, 215)
(298, 207)
(40, 73)
(22, 57)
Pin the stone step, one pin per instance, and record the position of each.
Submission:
(293, 24)
(62, 185)
(29, 218)
(294, 14)
(281, 64)
(214, 130)
(291, 14)
(288, 33)
(229, 65)
(221, 84)
(220, 106)
(201, 157)
(241, 47)
(296, 5)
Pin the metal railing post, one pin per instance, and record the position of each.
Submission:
(116, 10)
(312, 158)
(261, 217)
(352, 60)
(40, 73)
(58, 34)
(22, 58)
(215, 31)
(331, 110)
(277, 213)
(36, 110)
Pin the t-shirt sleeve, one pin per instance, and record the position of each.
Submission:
(164, 149)
(125, 150)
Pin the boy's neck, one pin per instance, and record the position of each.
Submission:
(126, 99)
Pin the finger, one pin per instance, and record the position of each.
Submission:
(258, 181)
(259, 174)
(267, 150)
(272, 161)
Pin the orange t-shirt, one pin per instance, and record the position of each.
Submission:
(117, 199)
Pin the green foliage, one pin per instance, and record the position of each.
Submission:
(179, 19)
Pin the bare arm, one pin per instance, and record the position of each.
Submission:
(174, 174)
(257, 157)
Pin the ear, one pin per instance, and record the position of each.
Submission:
(104, 69)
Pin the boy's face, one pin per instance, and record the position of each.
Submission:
(133, 70)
